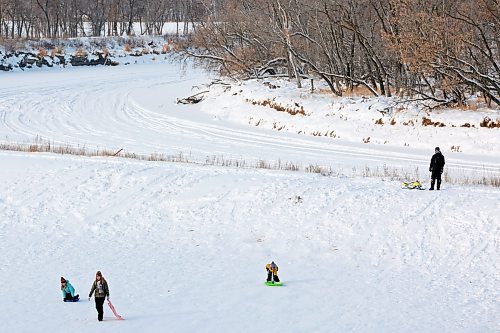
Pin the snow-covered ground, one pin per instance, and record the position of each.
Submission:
(184, 246)
(134, 107)
(360, 119)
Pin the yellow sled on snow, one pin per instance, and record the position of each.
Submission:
(416, 185)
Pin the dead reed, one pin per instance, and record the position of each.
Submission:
(384, 172)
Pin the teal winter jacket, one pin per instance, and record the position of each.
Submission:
(69, 289)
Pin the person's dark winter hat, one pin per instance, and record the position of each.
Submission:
(437, 149)
(63, 280)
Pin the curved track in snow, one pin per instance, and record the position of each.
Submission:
(133, 107)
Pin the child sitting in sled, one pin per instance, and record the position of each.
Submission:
(272, 272)
(68, 291)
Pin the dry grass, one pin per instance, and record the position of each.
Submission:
(179, 45)
(42, 52)
(127, 48)
(385, 172)
(278, 127)
(59, 50)
(470, 106)
(359, 91)
(80, 52)
(489, 123)
(324, 91)
(56, 51)
(165, 48)
(292, 110)
(429, 122)
(331, 134)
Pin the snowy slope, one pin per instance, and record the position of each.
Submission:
(380, 121)
(183, 248)
(134, 107)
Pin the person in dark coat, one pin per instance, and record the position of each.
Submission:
(436, 168)
(100, 291)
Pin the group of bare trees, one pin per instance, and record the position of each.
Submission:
(72, 18)
(442, 50)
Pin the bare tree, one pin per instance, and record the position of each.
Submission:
(440, 50)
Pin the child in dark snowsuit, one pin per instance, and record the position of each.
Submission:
(272, 272)
(436, 168)
(68, 291)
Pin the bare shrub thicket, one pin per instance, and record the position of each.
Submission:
(436, 50)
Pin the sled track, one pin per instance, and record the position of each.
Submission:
(159, 122)
(102, 110)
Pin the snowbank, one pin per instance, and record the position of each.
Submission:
(84, 51)
(279, 105)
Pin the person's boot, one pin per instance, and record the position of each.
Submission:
(438, 184)
(432, 185)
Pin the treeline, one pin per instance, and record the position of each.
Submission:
(440, 50)
(73, 18)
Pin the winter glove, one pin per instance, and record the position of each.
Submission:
(89, 299)
(107, 298)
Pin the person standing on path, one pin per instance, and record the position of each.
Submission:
(100, 291)
(436, 168)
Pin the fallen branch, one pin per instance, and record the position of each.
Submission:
(194, 99)
(119, 151)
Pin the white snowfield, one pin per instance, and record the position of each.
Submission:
(184, 246)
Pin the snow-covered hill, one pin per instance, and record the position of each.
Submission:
(184, 248)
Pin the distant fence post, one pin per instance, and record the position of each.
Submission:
(312, 85)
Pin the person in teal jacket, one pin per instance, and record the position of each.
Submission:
(68, 291)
